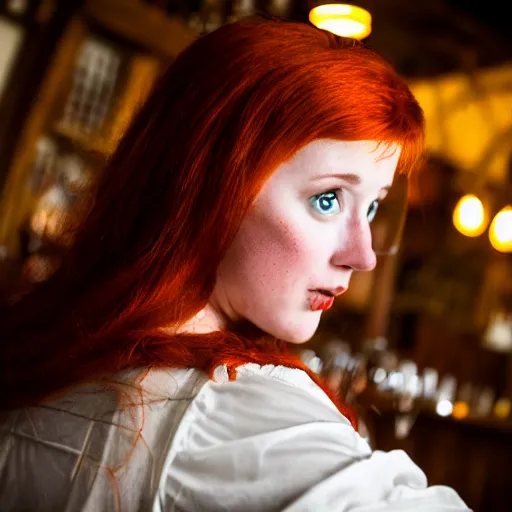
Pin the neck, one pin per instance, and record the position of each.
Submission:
(203, 322)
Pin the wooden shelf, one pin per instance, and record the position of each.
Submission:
(160, 36)
(93, 144)
(383, 404)
(166, 35)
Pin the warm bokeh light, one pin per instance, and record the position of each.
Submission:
(342, 19)
(460, 410)
(380, 376)
(469, 216)
(502, 408)
(500, 232)
(444, 408)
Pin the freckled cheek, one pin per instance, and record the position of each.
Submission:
(274, 257)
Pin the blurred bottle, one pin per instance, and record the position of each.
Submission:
(430, 382)
(279, 7)
(445, 396)
(241, 9)
(464, 398)
(502, 408)
(484, 402)
(208, 16)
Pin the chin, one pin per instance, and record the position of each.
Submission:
(297, 334)
(297, 340)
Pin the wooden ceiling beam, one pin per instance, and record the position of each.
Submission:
(164, 34)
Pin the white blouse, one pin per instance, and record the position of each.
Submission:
(269, 440)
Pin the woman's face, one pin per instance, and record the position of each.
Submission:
(304, 235)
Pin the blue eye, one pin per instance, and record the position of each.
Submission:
(372, 210)
(326, 203)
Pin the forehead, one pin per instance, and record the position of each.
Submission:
(372, 162)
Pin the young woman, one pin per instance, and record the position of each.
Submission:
(151, 371)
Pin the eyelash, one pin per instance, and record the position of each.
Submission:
(371, 213)
(330, 195)
(335, 195)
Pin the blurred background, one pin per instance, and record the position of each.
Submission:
(422, 346)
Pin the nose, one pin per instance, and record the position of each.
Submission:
(355, 250)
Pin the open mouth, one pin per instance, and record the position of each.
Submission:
(320, 300)
(327, 293)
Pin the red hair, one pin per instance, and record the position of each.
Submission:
(233, 106)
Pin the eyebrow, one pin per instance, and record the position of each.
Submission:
(353, 179)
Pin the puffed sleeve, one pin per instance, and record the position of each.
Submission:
(271, 440)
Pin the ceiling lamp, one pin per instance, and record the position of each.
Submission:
(500, 232)
(342, 19)
(469, 216)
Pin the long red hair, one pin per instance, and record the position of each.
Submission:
(233, 106)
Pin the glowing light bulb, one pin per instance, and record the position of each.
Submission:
(342, 19)
(469, 216)
(460, 410)
(502, 408)
(379, 376)
(500, 232)
(444, 408)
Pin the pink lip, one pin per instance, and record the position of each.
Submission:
(319, 302)
(331, 291)
(339, 290)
